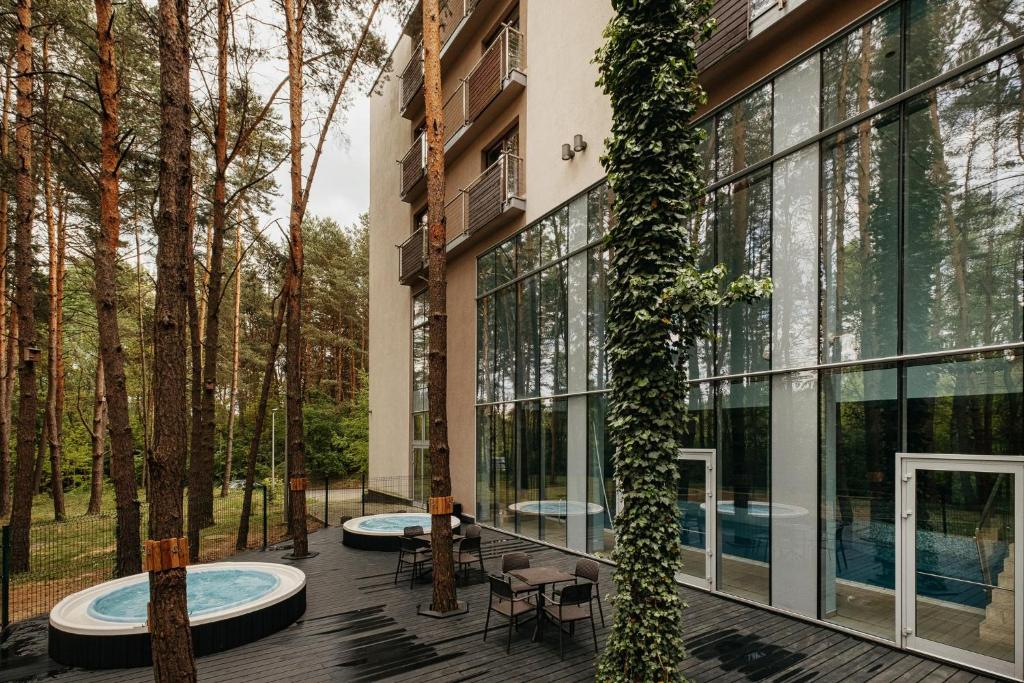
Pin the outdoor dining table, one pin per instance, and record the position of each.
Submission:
(426, 537)
(540, 577)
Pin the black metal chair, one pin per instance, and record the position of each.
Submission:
(471, 531)
(468, 553)
(503, 600)
(573, 604)
(412, 552)
(588, 570)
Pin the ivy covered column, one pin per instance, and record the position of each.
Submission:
(660, 305)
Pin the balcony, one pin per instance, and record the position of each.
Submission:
(491, 85)
(491, 200)
(461, 22)
(414, 165)
(412, 258)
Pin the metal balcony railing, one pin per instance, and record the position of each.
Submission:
(412, 76)
(454, 112)
(488, 196)
(488, 76)
(452, 14)
(414, 164)
(412, 257)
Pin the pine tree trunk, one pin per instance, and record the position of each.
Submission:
(122, 459)
(169, 624)
(294, 23)
(24, 197)
(233, 391)
(144, 402)
(99, 442)
(53, 431)
(195, 517)
(261, 415)
(5, 396)
(444, 599)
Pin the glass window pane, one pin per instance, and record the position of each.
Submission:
(485, 273)
(503, 465)
(701, 360)
(554, 236)
(744, 494)
(859, 439)
(700, 421)
(485, 349)
(528, 469)
(484, 464)
(943, 34)
(744, 229)
(529, 346)
(970, 405)
(597, 314)
(707, 149)
(964, 283)
(861, 69)
(797, 99)
(601, 479)
(599, 212)
(554, 333)
(505, 344)
(554, 464)
(528, 250)
(860, 181)
(504, 262)
(745, 132)
(419, 309)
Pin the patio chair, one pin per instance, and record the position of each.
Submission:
(412, 531)
(588, 570)
(503, 600)
(572, 605)
(411, 552)
(467, 553)
(513, 561)
(472, 531)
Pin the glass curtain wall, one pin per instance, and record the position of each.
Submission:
(538, 292)
(420, 465)
(896, 247)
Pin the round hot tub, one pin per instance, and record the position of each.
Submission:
(381, 532)
(229, 604)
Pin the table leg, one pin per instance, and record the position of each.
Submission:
(540, 615)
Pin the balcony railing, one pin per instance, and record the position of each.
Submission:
(412, 77)
(452, 14)
(489, 195)
(412, 257)
(488, 76)
(414, 164)
(454, 112)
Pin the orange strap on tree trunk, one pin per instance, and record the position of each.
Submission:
(297, 483)
(169, 553)
(440, 506)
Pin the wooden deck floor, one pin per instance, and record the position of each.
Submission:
(360, 627)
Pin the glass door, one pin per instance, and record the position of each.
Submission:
(960, 593)
(695, 500)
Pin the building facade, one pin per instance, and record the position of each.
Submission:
(859, 437)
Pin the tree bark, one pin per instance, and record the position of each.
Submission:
(122, 460)
(169, 624)
(444, 599)
(24, 197)
(242, 541)
(99, 443)
(5, 395)
(53, 431)
(233, 391)
(201, 468)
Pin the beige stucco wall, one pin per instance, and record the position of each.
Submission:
(560, 100)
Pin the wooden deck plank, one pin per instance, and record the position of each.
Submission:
(361, 626)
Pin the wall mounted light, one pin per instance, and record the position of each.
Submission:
(578, 143)
(567, 153)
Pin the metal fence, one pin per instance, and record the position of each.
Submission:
(79, 552)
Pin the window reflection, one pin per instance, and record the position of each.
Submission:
(943, 34)
(859, 440)
(745, 132)
(601, 478)
(744, 231)
(860, 180)
(744, 519)
(965, 197)
(861, 69)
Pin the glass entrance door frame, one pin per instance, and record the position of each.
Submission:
(707, 457)
(907, 466)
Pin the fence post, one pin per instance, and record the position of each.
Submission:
(5, 617)
(264, 490)
(362, 496)
(327, 498)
